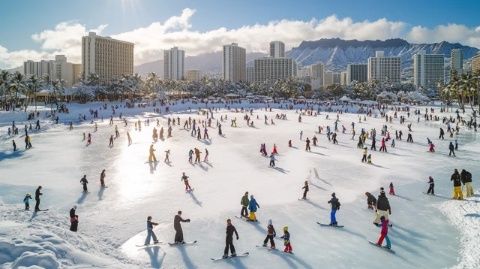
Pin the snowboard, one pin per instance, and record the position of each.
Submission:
(327, 225)
(382, 247)
(230, 257)
(184, 244)
(301, 199)
(41, 210)
(150, 245)
(246, 219)
(267, 248)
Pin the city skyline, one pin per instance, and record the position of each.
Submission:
(183, 25)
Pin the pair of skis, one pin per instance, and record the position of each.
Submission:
(172, 244)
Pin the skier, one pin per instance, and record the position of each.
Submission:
(383, 207)
(307, 144)
(384, 233)
(272, 160)
(185, 180)
(150, 232)
(466, 178)
(244, 202)
(364, 158)
(229, 240)
(152, 157)
(391, 189)
(431, 186)
(305, 190)
(410, 138)
(457, 185)
(37, 198)
(270, 235)
(451, 147)
(26, 201)
(442, 133)
(252, 206)
(383, 146)
(335, 206)
(84, 182)
(102, 179)
(167, 156)
(178, 227)
(286, 240)
(371, 201)
(73, 219)
(431, 148)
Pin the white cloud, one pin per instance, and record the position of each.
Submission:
(151, 40)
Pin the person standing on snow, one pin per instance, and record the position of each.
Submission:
(252, 206)
(272, 160)
(102, 179)
(150, 233)
(431, 186)
(364, 158)
(383, 207)
(229, 239)
(384, 233)
(371, 201)
(466, 178)
(26, 201)
(457, 185)
(307, 144)
(151, 156)
(270, 235)
(14, 145)
(286, 240)
(185, 180)
(392, 190)
(451, 148)
(305, 190)
(84, 182)
(244, 202)
(335, 206)
(37, 198)
(178, 228)
(73, 219)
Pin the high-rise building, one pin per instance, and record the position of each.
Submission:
(356, 72)
(343, 78)
(234, 63)
(63, 70)
(317, 72)
(277, 49)
(174, 64)
(337, 78)
(476, 63)
(327, 78)
(428, 70)
(384, 69)
(193, 75)
(106, 57)
(250, 73)
(269, 68)
(77, 73)
(58, 69)
(456, 61)
(39, 69)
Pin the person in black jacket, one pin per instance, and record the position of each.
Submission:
(178, 227)
(305, 190)
(371, 201)
(431, 187)
(229, 239)
(37, 198)
(383, 207)
(335, 206)
(84, 183)
(457, 185)
(451, 147)
(73, 219)
(466, 178)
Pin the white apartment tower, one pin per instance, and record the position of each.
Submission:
(234, 63)
(428, 70)
(58, 69)
(456, 58)
(384, 69)
(106, 57)
(174, 64)
(268, 68)
(277, 49)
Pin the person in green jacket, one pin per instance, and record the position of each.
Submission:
(244, 202)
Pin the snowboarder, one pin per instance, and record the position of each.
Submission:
(151, 156)
(384, 233)
(466, 178)
(26, 201)
(37, 198)
(244, 202)
(391, 189)
(185, 180)
(305, 190)
(335, 206)
(178, 228)
(84, 182)
(102, 179)
(457, 185)
(150, 233)
(286, 240)
(270, 235)
(371, 201)
(252, 206)
(73, 219)
(431, 186)
(383, 207)
(229, 240)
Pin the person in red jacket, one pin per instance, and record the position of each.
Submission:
(384, 233)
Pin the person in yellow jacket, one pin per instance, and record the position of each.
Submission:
(152, 157)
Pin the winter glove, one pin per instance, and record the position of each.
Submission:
(237, 237)
(188, 220)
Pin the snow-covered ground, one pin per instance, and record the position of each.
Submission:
(428, 232)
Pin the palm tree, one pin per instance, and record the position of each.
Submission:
(4, 80)
(17, 84)
(33, 84)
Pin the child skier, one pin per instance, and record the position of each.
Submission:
(26, 200)
(371, 201)
(384, 233)
(392, 190)
(270, 235)
(286, 240)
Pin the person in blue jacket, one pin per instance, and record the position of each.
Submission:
(252, 206)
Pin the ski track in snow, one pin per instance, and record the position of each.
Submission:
(107, 235)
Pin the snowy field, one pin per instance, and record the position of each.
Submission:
(427, 232)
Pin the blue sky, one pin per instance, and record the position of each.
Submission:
(39, 29)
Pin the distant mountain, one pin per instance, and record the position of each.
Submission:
(336, 53)
(208, 63)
